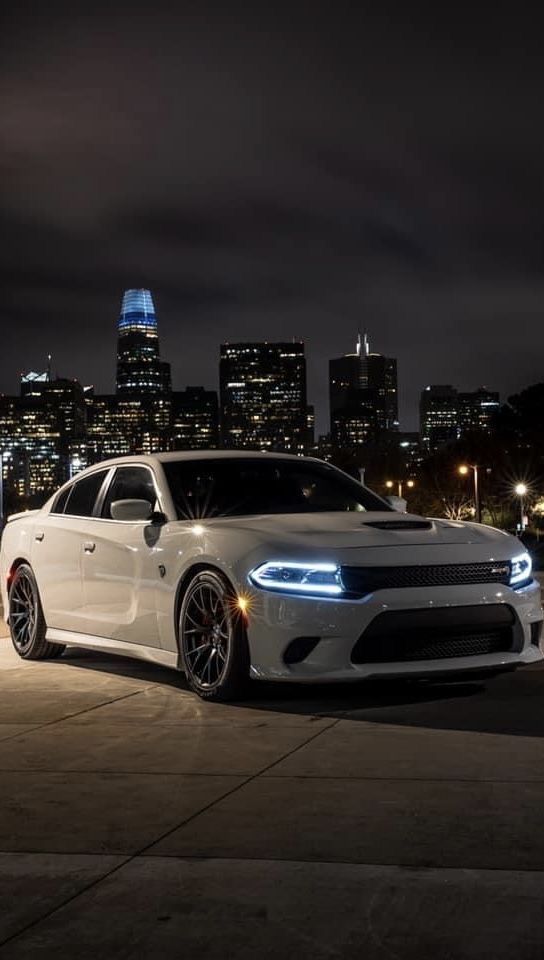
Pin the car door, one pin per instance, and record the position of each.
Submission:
(57, 552)
(119, 564)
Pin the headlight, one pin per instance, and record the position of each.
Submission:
(520, 570)
(319, 579)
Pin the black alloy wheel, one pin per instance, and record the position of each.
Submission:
(26, 620)
(213, 638)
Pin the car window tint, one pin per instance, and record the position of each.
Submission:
(130, 483)
(237, 487)
(83, 495)
(60, 502)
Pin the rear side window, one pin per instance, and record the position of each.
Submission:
(60, 502)
(83, 494)
(130, 483)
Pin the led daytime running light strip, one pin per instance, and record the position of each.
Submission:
(258, 577)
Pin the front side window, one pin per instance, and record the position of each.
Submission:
(83, 494)
(130, 483)
(239, 487)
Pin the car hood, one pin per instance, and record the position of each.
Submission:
(361, 530)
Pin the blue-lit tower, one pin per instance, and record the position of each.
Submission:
(139, 367)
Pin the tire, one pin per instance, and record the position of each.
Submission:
(212, 639)
(26, 620)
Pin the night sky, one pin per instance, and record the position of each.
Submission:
(269, 171)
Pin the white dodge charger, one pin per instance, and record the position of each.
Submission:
(236, 565)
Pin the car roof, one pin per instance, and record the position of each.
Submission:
(221, 454)
(151, 458)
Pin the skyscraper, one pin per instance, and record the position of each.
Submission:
(195, 419)
(439, 416)
(379, 374)
(477, 410)
(38, 430)
(362, 394)
(446, 414)
(139, 367)
(263, 396)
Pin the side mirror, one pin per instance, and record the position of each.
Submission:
(398, 503)
(131, 510)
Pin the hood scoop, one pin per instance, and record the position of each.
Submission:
(399, 524)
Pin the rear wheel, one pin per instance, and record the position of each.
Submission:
(26, 620)
(213, 639)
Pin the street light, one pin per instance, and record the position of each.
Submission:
(463, 470)
(521, 491)
(391, 483)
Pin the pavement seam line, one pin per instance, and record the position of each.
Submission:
(70, 716)
(277, 776)
(404, 865)
(142, 851)
(65, 903)
(248, 779)
(192, 858)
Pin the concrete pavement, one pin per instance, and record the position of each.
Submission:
(380, 821)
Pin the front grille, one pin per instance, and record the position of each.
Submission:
(403, 636)
(363, 580)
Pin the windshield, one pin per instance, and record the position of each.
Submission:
(236, 487)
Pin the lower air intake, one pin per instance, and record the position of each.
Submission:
(441, 634)
(299, 649)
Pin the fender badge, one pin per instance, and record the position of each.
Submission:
(162, 569)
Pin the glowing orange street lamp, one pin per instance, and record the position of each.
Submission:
(521, 491)
(463, 470)
(391, 483)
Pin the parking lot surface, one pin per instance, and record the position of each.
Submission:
(378, 820)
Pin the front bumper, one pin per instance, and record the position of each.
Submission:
(275, 620)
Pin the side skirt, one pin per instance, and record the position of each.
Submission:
(120, 647)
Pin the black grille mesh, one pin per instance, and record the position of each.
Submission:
(436, 634)
(363, 580)
(392, 649)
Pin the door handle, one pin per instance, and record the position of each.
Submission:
(89, 546)
(39, 536)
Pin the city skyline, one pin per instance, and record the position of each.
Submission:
(319, 399)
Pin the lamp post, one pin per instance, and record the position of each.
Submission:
(391, 483)
(463, 470)
(521, 491)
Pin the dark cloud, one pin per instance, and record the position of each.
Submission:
(271, 172)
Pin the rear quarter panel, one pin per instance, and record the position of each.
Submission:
(16, 543)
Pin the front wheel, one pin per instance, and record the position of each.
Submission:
(212, 638)
(26, 620)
